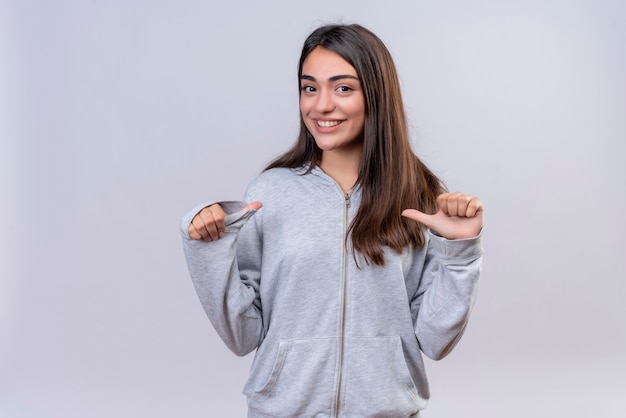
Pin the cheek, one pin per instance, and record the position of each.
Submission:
(304, 106)
(307, 122)
(304, 111)
(357, 109)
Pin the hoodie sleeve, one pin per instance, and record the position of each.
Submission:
(446, 294)
(226, 275)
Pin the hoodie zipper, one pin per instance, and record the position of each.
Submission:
(343, 303)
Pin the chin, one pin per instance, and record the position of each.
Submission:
(326, 146)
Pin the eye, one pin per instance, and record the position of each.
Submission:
(343, 89)
(308, 89)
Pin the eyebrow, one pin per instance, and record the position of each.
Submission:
(333, 78)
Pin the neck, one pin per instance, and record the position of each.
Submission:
(342, 166)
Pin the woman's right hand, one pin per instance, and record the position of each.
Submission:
(208, 224)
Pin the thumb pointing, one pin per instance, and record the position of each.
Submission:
(418, 216)
(253, 206)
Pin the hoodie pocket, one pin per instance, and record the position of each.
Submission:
(378, 382)
(301, 381)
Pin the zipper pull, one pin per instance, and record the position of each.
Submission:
(347, 200)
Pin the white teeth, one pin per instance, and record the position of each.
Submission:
(328, 123)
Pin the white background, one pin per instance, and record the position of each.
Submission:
(116, 117)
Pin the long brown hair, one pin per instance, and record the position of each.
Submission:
(392, 178)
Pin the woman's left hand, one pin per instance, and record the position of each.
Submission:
(460, 216)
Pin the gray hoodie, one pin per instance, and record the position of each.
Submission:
(332, 339)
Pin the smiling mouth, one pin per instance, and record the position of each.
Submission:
(327, 123)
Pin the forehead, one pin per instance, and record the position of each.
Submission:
(323, 63)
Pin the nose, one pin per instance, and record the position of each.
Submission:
(324, 102)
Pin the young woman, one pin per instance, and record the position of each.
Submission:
(358, 261)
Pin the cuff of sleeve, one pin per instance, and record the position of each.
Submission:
(233, 215)
(456, 250)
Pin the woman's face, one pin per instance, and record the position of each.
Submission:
(331, 101)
